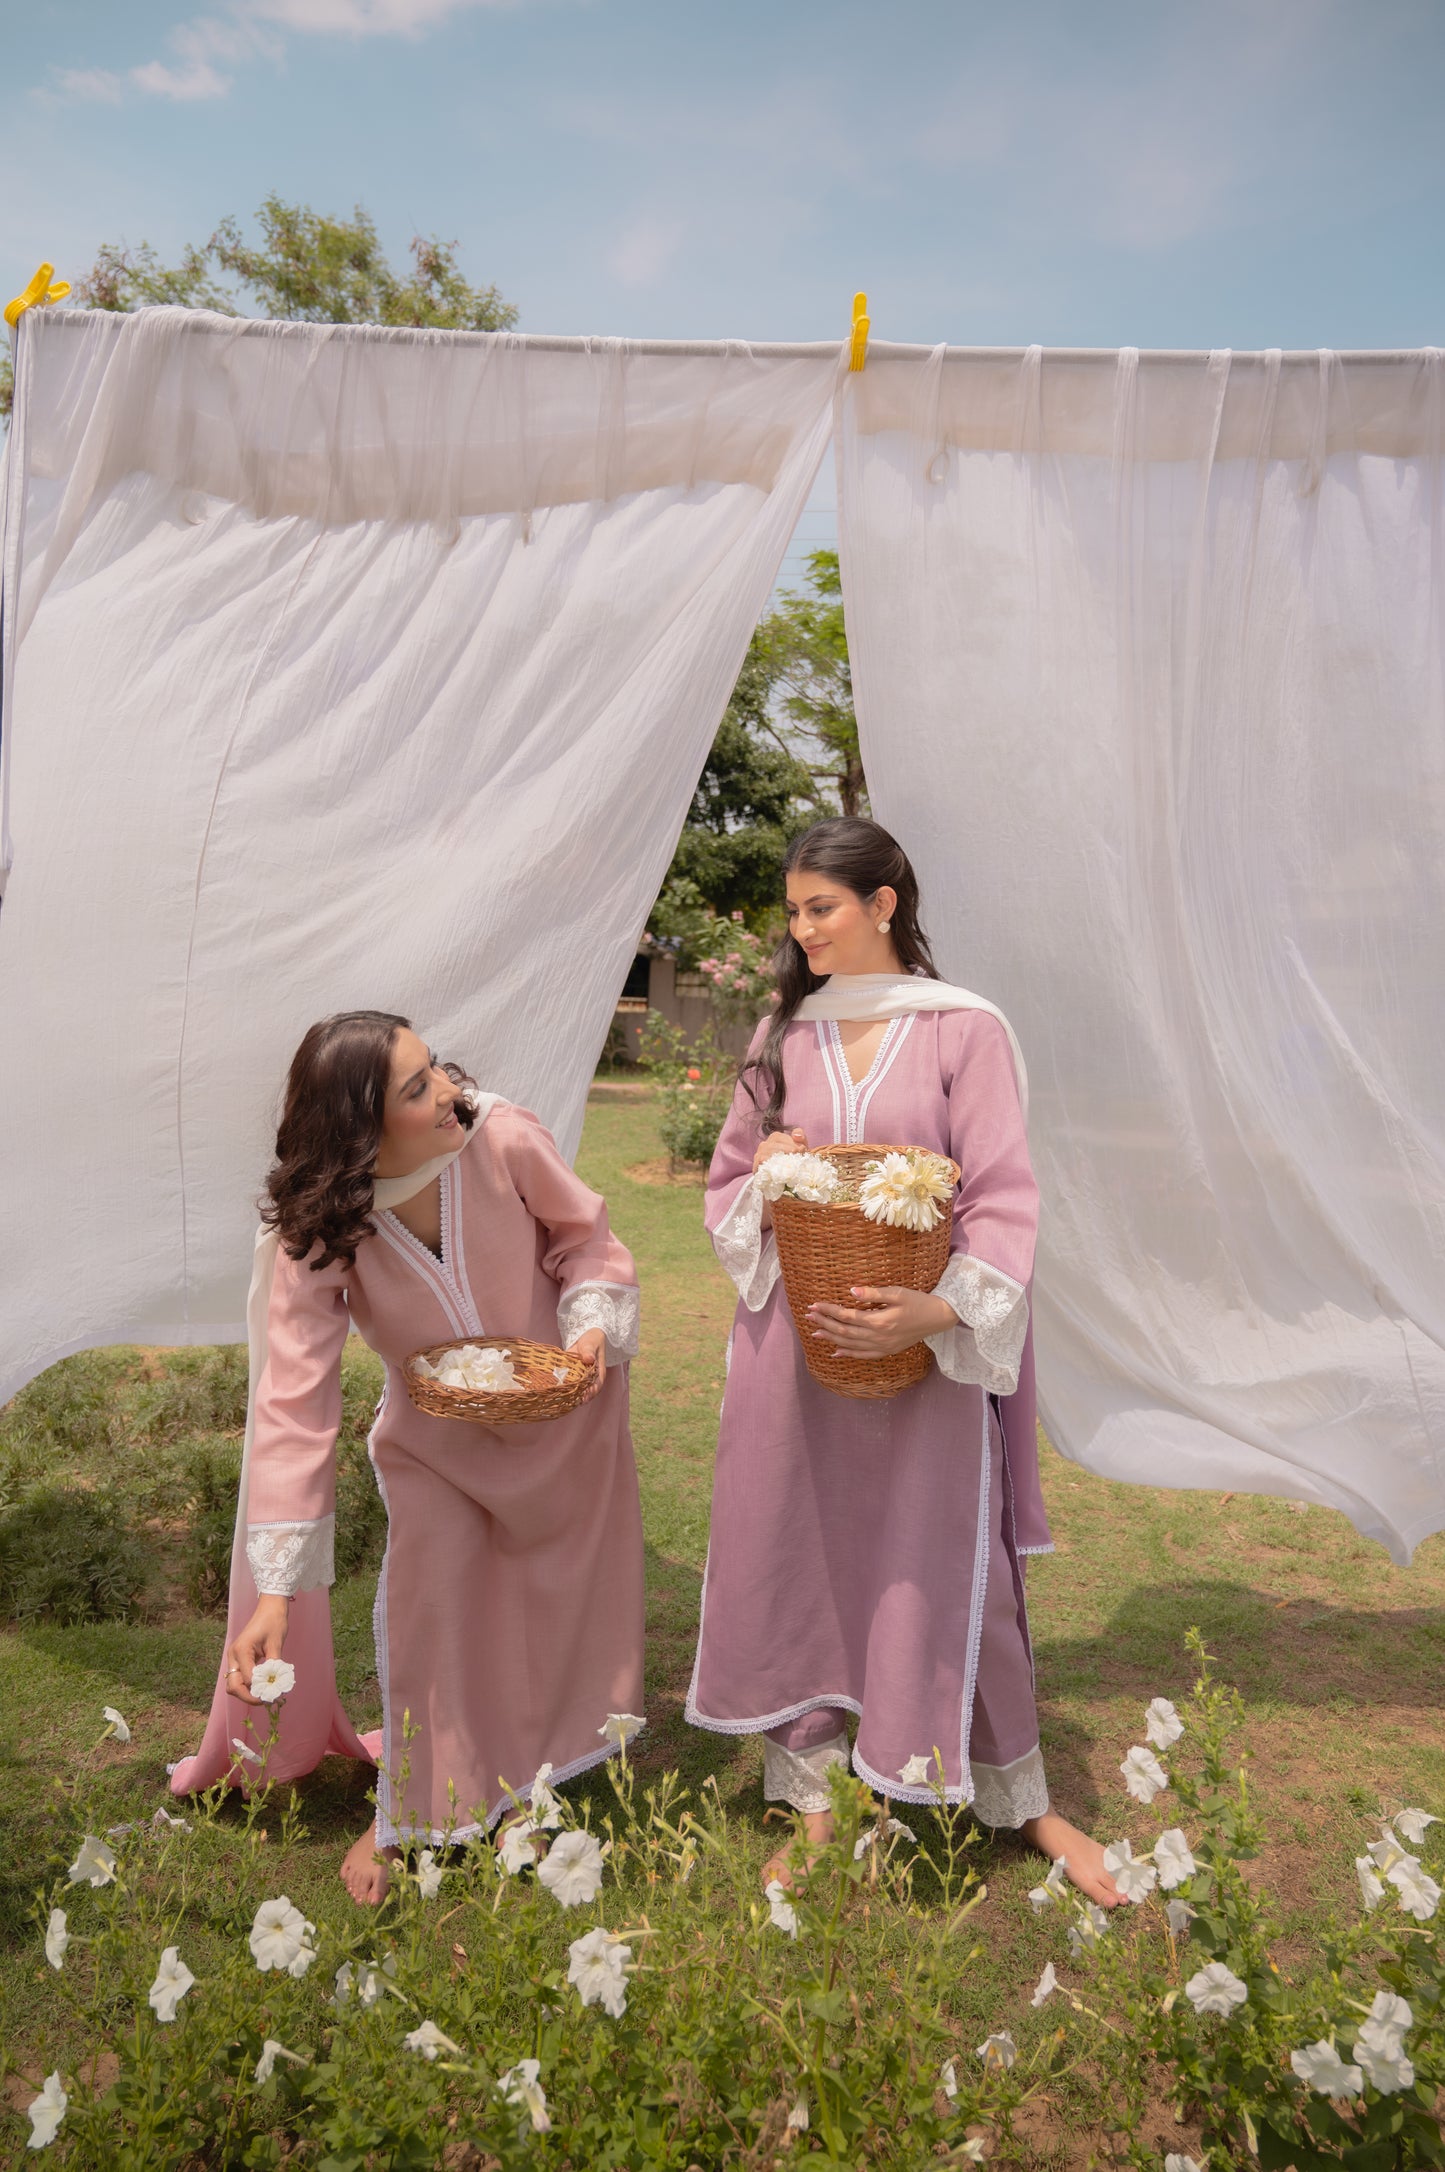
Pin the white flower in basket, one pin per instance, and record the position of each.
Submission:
(490, 1371)
(803, 1176)
(907, 1191)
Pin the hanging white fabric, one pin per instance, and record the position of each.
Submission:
(344, 667)
(1148, 662)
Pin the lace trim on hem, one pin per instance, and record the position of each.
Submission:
(799, 1777)
(1008, 1795)
(615, 1307)
(390, 1835)
(695, 1718)
(289, 1557)
(986, 1348)
(748, 1254)
(1050, 1548)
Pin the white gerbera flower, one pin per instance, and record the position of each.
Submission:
(428, 1875)
(279, 1935)
(1162, 1724)
(271, 1679)
(621, 1727)
(1412, 1824)
(597, 1965)
(1135, 1880)
(805, 1176)
(46, 2112)
(173, 1981)
(117, 1726)
(1171, 1855)
(1419, 1894)
(1144, 1776)
(94, 1865)
(515, 1849)
(1046, 1986)
(520, 2086)
(57, 1938)
(782, 1913)
(906, 1191)
(998, 2050)
(1321, 2068)
(572, 1872)
(428, 2040)
(1216, 1989)
(916, 1772)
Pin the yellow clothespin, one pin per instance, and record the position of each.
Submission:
(858, 353)
(39, 290)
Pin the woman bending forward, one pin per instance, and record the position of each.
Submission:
(509, 1609)
(866, 1556)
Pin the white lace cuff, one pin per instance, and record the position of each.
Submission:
(1010, 1794)
(800, 1777)
(612, 1306)
(746, 1251)
(984, 1350)
(289, 1557)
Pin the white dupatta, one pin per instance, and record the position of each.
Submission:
(863, 996)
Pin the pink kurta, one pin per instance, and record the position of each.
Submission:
(509, 1607)
(866, 1555)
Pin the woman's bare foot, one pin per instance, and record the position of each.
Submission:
(1054, 1836)
(818, 1825)
(366, 1869)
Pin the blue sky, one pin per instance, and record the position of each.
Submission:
(1095, 173)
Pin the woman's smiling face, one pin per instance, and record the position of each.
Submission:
(420, 1120)
(838, 929)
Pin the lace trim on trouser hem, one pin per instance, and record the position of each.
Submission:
(894, 1789)
(389, 1835)
(800, 1777)
(1010, 1794)
(289, 1557)
(612, 1306)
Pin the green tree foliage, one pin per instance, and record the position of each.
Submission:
(306, 265)
(804, 652)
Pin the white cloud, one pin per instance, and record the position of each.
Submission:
(643, 253)
(195, 79)
(364, 18)
(89, 86)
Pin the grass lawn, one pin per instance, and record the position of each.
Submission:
(1340, 1655)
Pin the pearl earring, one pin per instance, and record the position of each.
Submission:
(884, 926)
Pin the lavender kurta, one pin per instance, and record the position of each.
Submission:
(867, 1554)
(509, 1608)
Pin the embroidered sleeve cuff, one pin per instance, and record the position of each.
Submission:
(613, 1306)
(985, 1348)
(289, 1557)
(747, 1252)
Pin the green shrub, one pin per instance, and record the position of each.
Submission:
(67, 1555)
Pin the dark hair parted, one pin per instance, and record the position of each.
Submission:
(322, 1188)
(864, 858)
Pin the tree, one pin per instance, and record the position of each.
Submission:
(804, 651)
(328, 271)
(752, 797)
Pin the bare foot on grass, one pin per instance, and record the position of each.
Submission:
(1054, 1836)
(366, 1869)
(780, 1868)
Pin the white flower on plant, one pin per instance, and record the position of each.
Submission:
(271, 1679)
(164, 1822)
(805, 1176)
(781, 1912)
(1176, 2160)
(1391, 2012)
(572, 1871)
(948, 2079)
(1386, 1851)
(866, 1839)
(117, 1726)
(906, 1191)
(1372, 1889)
(915, 1773)
(798, 2116)
(1088, 1929)
(973, 2149)
(368, 1979)
(998, 2050)
(1173, 1859)
(546, 1811)
(428, 1875)
(621, 1726)
(1180, 1915)
(94, 1865)
(46, 2112)
(280, 1936)
(1046, 1986)
(244, 1751)
(1136, 1880)
(1321, 2068)
(515, 1849)
(1215, 1989)
(428, 2040)
(1162, 1724)
(597, 1965)
(1054, 1886)
(1412, 1824)
(271, 2051)
(173, 1981)
(57, 1938)
(1419, 1894)
(1380, 2051)
(1144, 1776)
(520, 2086)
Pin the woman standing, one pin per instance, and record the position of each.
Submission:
(867, 1556)
(509, 1608)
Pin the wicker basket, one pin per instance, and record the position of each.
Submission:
(825, 1251)
(541, 1396)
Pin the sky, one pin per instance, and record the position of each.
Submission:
(1231, 173)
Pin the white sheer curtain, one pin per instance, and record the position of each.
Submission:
(343, 668)
(1149, 664)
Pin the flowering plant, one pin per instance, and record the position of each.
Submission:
(907, 1190)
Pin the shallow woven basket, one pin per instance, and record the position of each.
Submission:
(539, 1398)
(824, 1251)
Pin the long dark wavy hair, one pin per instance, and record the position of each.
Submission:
(864, 858)
(322, 1188)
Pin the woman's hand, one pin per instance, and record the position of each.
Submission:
(894, 1321)
(593, 1347)
(262, 1638)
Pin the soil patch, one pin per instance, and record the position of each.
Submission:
(684, 1177)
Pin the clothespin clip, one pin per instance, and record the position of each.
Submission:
(858, 352)
(39, 290)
